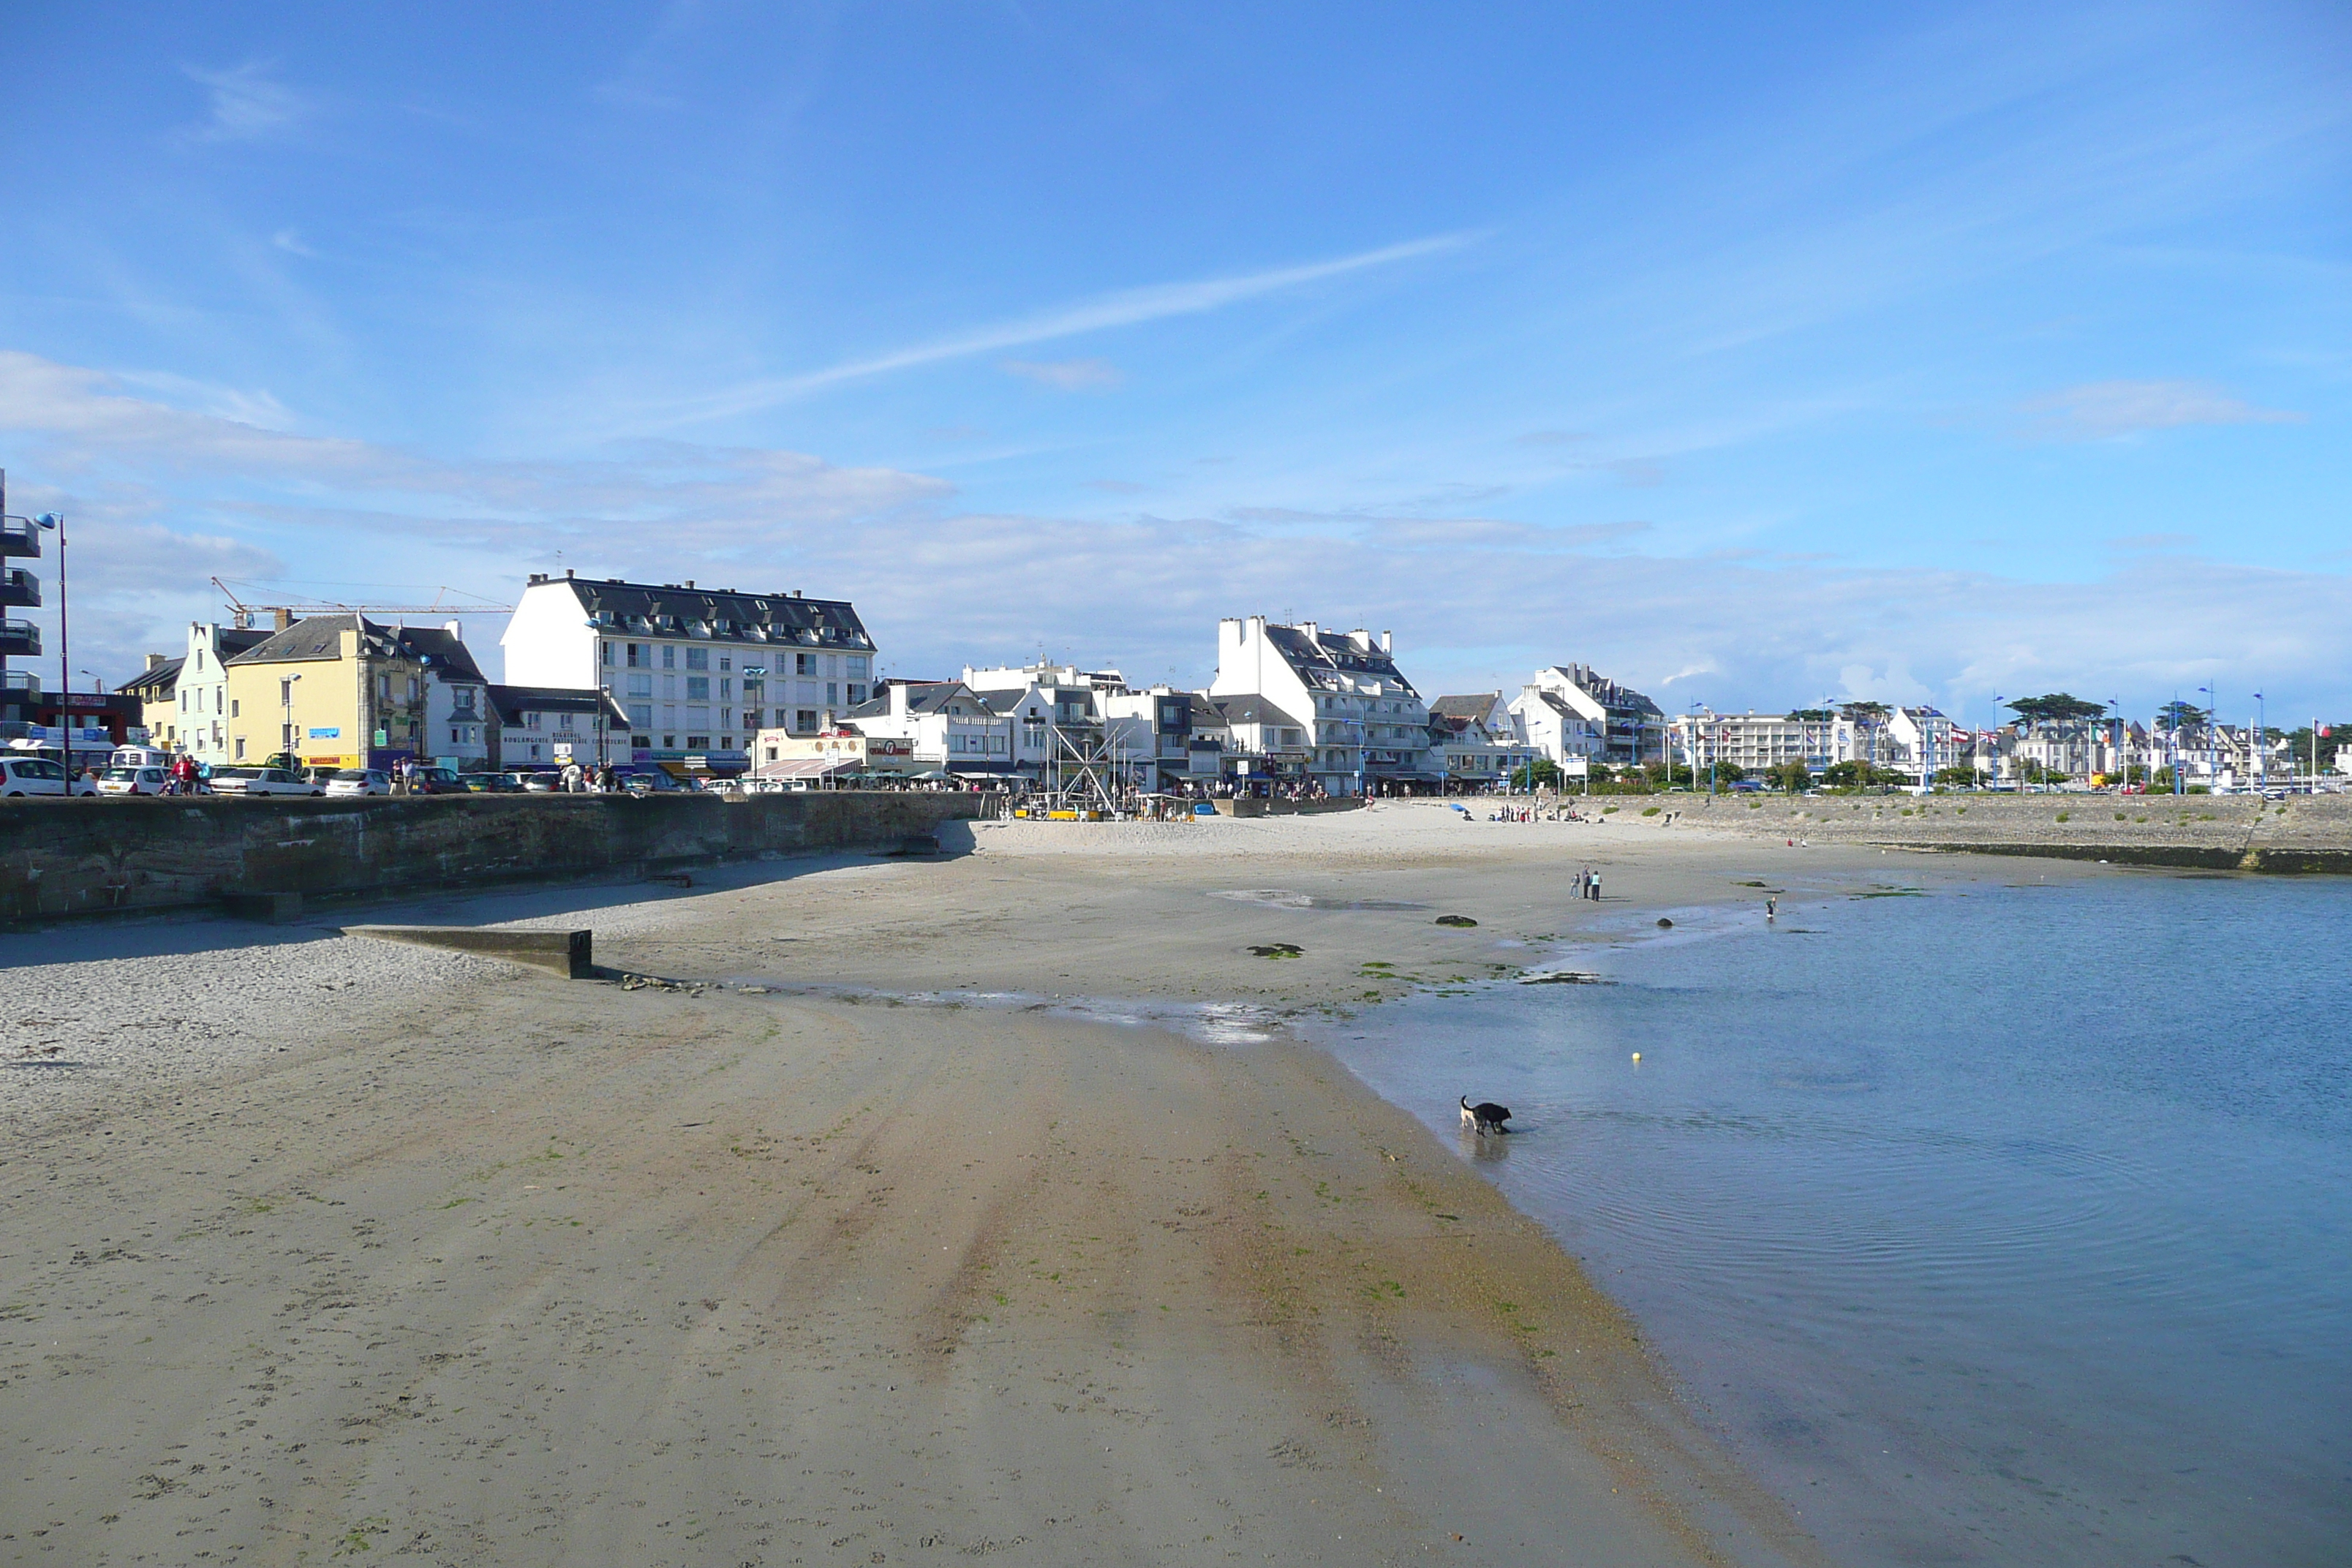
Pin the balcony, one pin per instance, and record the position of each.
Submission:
(19, 639)
(18, 537)
(20, 587)
(19, 683)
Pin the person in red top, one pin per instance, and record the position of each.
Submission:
(183, 774)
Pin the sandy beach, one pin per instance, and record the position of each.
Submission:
(976, 1205)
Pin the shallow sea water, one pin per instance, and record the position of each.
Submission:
(1999, 1224)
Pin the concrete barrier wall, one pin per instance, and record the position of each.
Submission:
(1256, 805)
(2301, 834)
(63, 858)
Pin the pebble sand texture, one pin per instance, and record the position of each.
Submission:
(95, 1008)
(528, 1272)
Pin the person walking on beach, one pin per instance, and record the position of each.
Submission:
(1596, 886)
(1771, 909)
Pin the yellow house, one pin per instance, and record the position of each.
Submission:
(343, 691)
(157, 689)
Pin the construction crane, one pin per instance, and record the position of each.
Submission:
(241, 614)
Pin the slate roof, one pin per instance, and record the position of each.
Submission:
(156, 682)
(720, 615)
(1320, 659)
(1249, 710)
(321, 637)
(511, 702)
(1475, 706)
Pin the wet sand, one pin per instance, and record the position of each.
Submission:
(775, 1265)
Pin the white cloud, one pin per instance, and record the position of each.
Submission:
(1069, 374)
(161, 497)
(246, 104)
(1128, 308)
(2103, 410)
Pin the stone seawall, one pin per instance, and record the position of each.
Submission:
(60, 858)
(2306, 833)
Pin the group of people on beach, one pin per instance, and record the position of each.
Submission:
(1588, 884)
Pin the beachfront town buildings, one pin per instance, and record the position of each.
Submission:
(342, 690)
(535, 727)
(1359, 724)
(1570, 710)
(700, 672)
(1477, 742)
(944, 726)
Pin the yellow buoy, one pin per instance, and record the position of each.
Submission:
(1637, 1055)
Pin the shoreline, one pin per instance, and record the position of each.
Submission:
(1330, 1337)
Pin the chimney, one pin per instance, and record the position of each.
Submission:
(1310, 630)
(567, 572)
(689, 582)
(155, 658)
(1388, 642)
(280, 618)
(455, 628)
(538, 577)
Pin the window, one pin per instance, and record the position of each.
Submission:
(641, 686)
(641, 714)
(804, 719)
(643, 742)
(669, 743)
(726, 687)
(231, 709)
(384, 688)
(856, 692)
(698, 743)
(804, 664)
(607, 654)
(725, 662)
(832, 692)
(698, 659)
(530, 720)
(858, 669)
(751, 717)
(240, 748)
(638, 653)
(563, 720)
(697, 687)
(726, 742)
(669, 657)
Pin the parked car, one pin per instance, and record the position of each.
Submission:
(438, 780)
(655, 784)
(322, 777)
(488, 784)
(40, 775)
(542, 784)
(263, 781)
(133, 781)
(359, 781)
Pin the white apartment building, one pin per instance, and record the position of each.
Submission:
(944, 724)
(698, 671)
(1058, 710)
(200, 694)
(1572, 711)
(1360, 719)
(1756, 743)
(1476, 740)
(1151, 735)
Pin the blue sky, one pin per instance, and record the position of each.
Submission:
(1924, 352)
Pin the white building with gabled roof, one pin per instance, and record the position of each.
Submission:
(1360, 719)
(697, 671)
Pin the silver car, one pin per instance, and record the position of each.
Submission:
(133, 781)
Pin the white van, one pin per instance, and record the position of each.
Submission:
(140, 757)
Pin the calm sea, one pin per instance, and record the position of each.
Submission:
(1999, 1225)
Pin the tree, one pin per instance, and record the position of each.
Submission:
(1794, 777)
(1541, 773)
(1811, 716)
(1858, 774)
(2332, 739)
(1958, 778)
(2057, 708)
(2177, 716)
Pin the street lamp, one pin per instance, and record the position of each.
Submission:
(285, 720)
(57, 521)
(2262, 744)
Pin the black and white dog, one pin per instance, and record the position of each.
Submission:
(1484, 1117)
